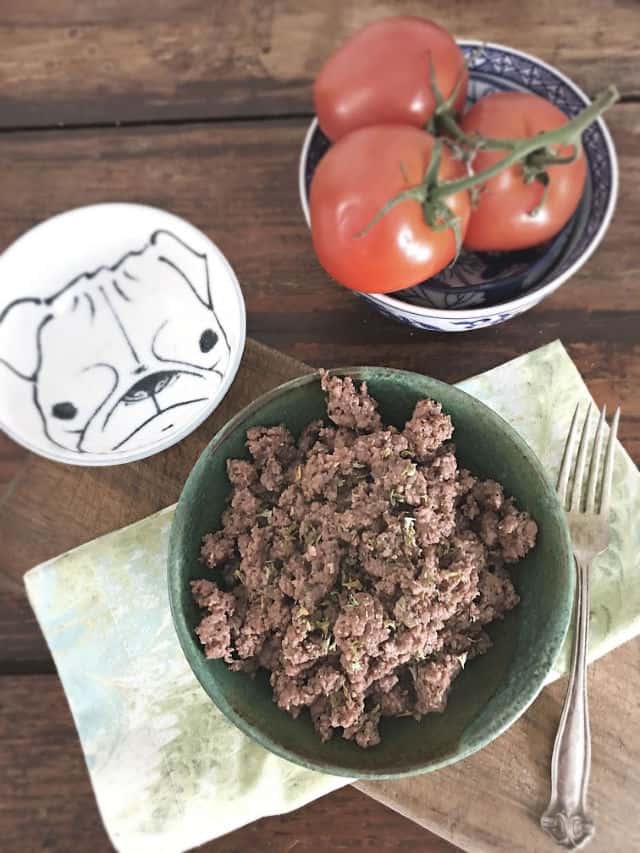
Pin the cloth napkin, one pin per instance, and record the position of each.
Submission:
(168, 770)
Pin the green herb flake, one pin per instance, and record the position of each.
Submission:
(311, 536)
(328, 644)
(409, 530)
(455, 576)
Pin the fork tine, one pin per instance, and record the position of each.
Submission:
(576, 495)
(567, 458)
(607, 473)
(592, 482)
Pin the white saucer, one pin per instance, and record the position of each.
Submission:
(121, 329)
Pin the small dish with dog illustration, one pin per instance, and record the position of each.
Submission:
(121, 329)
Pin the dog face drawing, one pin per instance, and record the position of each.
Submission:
(119, 354)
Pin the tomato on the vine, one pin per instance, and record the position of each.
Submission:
(353, 182)
(509, 213)
(382, 75)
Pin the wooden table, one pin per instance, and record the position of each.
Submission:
(200, 108)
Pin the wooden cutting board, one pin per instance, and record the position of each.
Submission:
(489, 802)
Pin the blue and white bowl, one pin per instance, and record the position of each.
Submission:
(485, 288)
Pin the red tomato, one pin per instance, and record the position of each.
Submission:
(502, 220)
(353, 181)
(381, 75)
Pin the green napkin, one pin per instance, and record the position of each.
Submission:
(168, 770)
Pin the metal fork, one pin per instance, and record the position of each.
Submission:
(566, 819)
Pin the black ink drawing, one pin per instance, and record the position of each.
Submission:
(117, 354)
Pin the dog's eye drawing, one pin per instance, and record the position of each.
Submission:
(208, 339)
(64, 411)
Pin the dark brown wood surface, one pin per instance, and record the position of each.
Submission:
(114, 60)
(215, 97)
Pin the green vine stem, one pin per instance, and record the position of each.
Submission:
(534, 152)
(566, 134)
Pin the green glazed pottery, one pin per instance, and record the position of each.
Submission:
(494, 689)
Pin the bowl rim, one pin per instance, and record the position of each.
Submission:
(198, 663)
(397, 306)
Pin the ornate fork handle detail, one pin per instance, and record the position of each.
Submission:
(566, 819)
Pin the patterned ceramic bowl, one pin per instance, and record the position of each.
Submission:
(483, 289)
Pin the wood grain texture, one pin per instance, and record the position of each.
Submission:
(173, 63)
(72, 62)
(48, 804)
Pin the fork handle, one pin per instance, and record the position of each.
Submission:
(566, 819)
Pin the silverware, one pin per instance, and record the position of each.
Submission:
(566, 819)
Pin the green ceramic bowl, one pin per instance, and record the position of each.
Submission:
(494, 690)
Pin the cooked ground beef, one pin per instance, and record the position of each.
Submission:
(358, 565)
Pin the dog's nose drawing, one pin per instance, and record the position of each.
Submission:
(150, 386)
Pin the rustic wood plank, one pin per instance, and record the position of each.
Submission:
(22, 647)
(253, 214)
(70, 62)
(179, 60)
(47, 802)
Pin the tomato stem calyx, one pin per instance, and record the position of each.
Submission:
(444, 106)
(437, 214)
(416, 193)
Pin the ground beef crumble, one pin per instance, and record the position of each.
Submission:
(358, 565)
